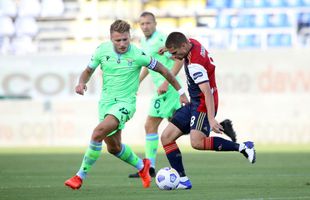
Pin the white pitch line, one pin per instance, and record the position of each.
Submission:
(28, 186)
(277, 198)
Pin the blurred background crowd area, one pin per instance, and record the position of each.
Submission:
(77, 26)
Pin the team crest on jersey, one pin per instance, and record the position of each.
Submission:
(130, 61)
(203, 51)
(107, 58)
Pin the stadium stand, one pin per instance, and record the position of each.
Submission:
(31, 26)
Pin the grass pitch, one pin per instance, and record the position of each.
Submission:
(40, 174)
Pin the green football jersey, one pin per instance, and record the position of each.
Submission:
(151, 46)
(120, 72)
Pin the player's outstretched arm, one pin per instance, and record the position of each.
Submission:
(172, 80)
(175, 70)
(84, 78)
(143, 74)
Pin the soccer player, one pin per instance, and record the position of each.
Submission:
(121, 63)
(163, 103)
(198, 117)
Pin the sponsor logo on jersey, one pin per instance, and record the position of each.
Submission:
(197, 75)
(203, 51)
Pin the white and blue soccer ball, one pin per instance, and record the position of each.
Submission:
(167, 178)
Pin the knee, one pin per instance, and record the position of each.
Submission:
(165, 138)
(149, 127)
(98, 135)
(195, 144)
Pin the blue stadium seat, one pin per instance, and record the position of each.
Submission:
(246, 21)
(306, 2)
(223, 21)
(261, 20)
(278, 20)
(255, 3)
(248, 41)
(294, 3)
(217, 3)
(237, 3)
(279, 40)
(275, 3)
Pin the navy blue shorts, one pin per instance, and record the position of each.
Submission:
(187, 118)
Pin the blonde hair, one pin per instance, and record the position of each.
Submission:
(119, 26)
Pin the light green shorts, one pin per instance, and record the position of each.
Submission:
(123, 111)
(165, 105)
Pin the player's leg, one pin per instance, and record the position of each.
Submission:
(179, 124)
(151, 140)
(108, 125)
(200, 129)
(125, 153)
(151, 143)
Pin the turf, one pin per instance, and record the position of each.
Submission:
(215, 176)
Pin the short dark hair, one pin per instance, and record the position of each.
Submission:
(146, 13)
(119, 26)
(175, 40)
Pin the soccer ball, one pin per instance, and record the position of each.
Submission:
(167, 178)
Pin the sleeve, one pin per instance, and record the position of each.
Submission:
(198, 73)
(146, 60)
(94, 61)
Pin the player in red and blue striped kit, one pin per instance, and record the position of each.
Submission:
(198, 117)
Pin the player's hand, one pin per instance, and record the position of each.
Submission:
(163, 88)
(183, 99)
(81, 88)
(215, 126)
(162, 50)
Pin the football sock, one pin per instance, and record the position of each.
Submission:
(220, 144)
(151, 145)
(174, 156)
(92, 154)
(128, 156)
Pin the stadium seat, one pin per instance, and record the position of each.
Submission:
(275, 3)
(294, 3)
(8, 8)
(23, 45)
(245, 21)
(29, 8)
(279, 40)
(278, 20)
(261, 20)
(223, 21)
(217, 3)
(52, 8)
(248, 41)
(6, 26)
(237, 4)
(255, 3)
(26, 26)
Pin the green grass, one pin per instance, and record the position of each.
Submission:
(40, 173)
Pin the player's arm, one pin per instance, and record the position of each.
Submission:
(143, 74)
(200, 76)
(175, 70)
(172, 80)
(209, 100)
(84, 78)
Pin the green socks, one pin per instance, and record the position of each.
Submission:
(92, 154)
(151, 147)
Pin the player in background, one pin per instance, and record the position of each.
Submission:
(163, 103)
(121, 63)
(198, 117)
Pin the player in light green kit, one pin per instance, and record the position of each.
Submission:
(121, 64)
(163, 103)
